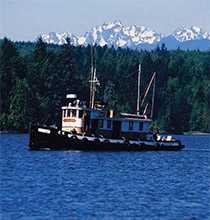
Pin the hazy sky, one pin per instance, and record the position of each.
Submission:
(25, 19)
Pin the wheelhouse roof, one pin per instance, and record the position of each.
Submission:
(123, 119)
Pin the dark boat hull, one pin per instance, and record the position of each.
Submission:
(47, 138)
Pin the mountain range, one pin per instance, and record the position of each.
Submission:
(134, 37)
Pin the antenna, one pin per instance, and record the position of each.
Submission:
(138, 97)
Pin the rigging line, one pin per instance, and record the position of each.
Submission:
(153, 98)
(139, 90)
(147, 90)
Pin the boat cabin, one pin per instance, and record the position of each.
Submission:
(76, 117)
(115, 127)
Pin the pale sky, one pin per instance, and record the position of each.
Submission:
(26, 19)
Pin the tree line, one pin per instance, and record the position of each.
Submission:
(35, 78)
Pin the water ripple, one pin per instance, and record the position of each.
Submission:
(87, 185)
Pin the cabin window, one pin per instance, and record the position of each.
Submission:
(73, 113)
(68, 113)
(100, 123)
(130, 125)
(109, 124)
(140, 125)
(80, 113)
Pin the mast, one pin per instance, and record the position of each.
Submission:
(93, 79)
(138, 98)
(153, 98)
(94, 88)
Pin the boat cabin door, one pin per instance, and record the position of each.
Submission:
(116, 129)
(94, 125)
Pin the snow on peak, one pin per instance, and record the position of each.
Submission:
(102, 42)
(196, 29)
(193, 33)
(81, 40)
(207, 35)
(58, 38)
(118, 35)
(110, 25)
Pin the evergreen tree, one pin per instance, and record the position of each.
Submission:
(8, 56)
(18, 107)
(35, 78)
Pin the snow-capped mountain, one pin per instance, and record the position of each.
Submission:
(135, 37)
(111, 33)
(118, 35)
(194, 33)
(58, 38)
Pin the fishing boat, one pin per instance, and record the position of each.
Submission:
(93, 127)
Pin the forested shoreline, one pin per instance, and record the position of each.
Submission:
(35, 78)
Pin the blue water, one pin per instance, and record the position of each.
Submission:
(111, 185)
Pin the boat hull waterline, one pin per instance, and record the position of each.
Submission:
(47, 138)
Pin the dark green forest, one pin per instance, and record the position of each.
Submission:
(35, 78)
